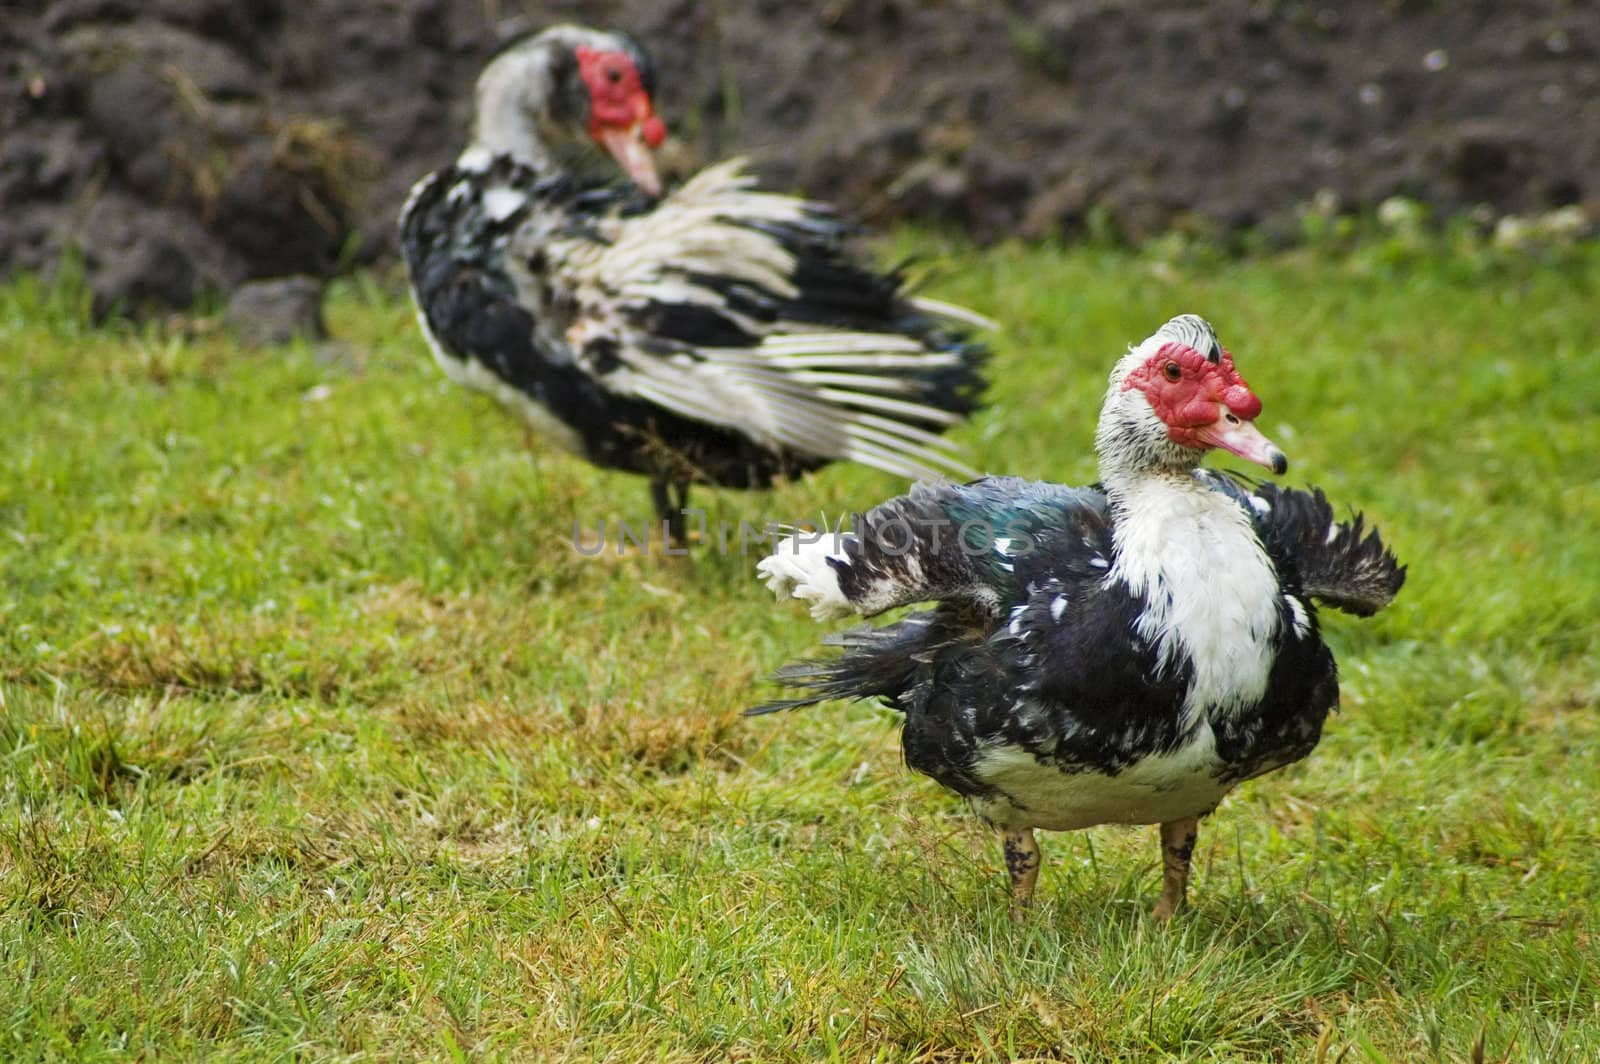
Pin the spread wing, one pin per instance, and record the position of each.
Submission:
(982, 545)
(1343, 564)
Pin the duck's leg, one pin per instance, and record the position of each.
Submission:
(1022, 863)
(680, 506)
(1177, 847)
(671, 499)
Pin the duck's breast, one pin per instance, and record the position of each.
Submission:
(1033, 790)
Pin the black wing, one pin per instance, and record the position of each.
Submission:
(981, 545)
(1343, 564)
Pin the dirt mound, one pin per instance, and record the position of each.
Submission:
(189, 144)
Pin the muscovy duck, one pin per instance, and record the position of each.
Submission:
(1124, 653)
(720, 334)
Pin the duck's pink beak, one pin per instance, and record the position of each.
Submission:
(1239, 436)
(630, 147)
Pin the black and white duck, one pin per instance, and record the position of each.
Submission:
(1123, 653)
(716, 334)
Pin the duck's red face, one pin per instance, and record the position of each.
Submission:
(1205, 403)
(622, 120)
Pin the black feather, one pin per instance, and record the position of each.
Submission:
(873, 663)
(1342, 564)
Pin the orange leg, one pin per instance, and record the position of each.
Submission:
(1177, 847)
(1022, 862)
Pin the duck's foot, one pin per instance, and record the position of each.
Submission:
(1022, 863)
(1177, 847)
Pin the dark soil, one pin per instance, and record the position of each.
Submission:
(192, 144)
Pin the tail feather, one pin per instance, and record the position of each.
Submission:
(874, 663)
(957, 388)
(835, 290)
(938, 308)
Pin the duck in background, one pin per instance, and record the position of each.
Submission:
(717, 334)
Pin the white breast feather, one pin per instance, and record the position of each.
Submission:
(1154, 789)
(1211, 592)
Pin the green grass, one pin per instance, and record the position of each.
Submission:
(320, 741)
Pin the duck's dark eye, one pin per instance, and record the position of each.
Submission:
(613, 75)
(1173, 371)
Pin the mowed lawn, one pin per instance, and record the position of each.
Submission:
(318, 739)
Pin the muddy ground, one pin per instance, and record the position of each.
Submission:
(187, 145)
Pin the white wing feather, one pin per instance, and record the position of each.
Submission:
(801, 387)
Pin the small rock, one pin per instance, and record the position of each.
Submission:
(276, 311)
